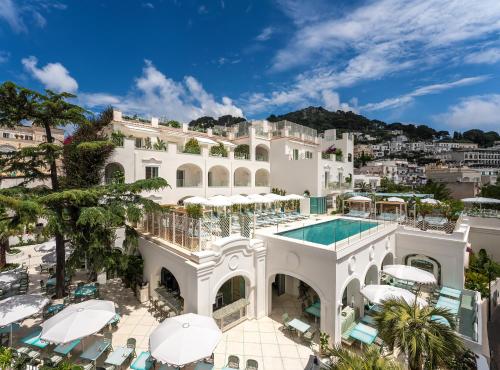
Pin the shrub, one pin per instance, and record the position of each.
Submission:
(192, 147)
(194, 210)
(218, 151)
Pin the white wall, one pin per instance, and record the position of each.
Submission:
(485, 234)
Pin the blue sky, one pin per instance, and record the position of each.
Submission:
(429, 61)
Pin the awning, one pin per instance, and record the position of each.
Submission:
(359, 198)
(395, 200)
(205, 140)
(379, 293)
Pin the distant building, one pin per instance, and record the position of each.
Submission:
(463, 182)
(362, 149)
(487, 157)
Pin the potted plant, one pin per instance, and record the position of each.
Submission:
(324, 344)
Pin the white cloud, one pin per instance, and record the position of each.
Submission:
(265, 34)
(10, 13)
(21, 12)
(53, 76)
(156, 94)
(487, 56)
(202, 9)
(331, 101)
(475, 111)
(372, 41)
(421, 91)
(148, 5)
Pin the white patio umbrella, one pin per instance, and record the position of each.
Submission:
(274, 197)
(430, 201)
(184, 339)
(196, 200)
(240, 199)
(395, 200)
(20, 307)
(77, 321)
(219, 201)
(49, 246)
(410, 273)
(378, 293)
(257, 198)
(293, 197)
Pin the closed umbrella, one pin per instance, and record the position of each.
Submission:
(78, 321)
(20, 307)
(379, 293)
(410, 273)
(184, 339)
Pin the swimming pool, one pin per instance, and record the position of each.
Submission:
(329, 232)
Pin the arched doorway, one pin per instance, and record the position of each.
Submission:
(371, 276)
(169, 291)
(114, 173)
(231, 301)
(188, 176)
(425, 263)
(262, 177)
(292, 298)
(218, 176)
(242, 177)
(351, 307)
(388, 260)
(261, 153)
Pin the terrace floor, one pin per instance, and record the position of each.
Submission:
(261, 339)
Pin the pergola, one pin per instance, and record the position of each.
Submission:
(393, 203)
(359, 200)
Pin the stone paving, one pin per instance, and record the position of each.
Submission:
(261, 339)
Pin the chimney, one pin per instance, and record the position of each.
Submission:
(154, 121)
(117, 115)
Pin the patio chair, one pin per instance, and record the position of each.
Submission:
(252, 365)
(131, 343)
(233, 362)
(308, 337)
(108, 338)
(143, 362)
(52, 361)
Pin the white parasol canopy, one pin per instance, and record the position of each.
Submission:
(359, 198)
(430, 201)
(410, 273)
(19, 307)
(395, 199)
(294, 197)
(274, 197)
(379, 293)
(257, 198)
(219, 201)
(240, 199)
(184, 339)
(77, 321)
(481, 200)
(196, 200)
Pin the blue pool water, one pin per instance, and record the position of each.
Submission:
(329, 232)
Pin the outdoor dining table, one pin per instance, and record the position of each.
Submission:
(450, 292)
(143, 362)
(85, 290)
(452, 305)
(66, 348)
(34, 340)
(118, 356)
(364, 333)
(95, 350)
(314, 309)
(203, 366)
(299, 325)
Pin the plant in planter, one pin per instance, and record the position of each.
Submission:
(5, 358)
(117, 138)
(194, 210)
(218, 151)
(324, 344)
(192, 147)
(160, 145)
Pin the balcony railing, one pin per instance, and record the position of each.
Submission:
(339, 185)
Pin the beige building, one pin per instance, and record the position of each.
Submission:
(463, 182)
(18, 137)
(360, 149)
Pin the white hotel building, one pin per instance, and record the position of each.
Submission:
(252, 273)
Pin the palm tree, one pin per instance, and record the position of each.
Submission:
(160, 145)
(412, 330)
(369, 359)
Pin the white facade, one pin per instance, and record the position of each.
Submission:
(276, 151)
(334, 272)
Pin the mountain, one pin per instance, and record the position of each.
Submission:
(322, 119)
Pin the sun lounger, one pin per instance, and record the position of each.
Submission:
(143, 362)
